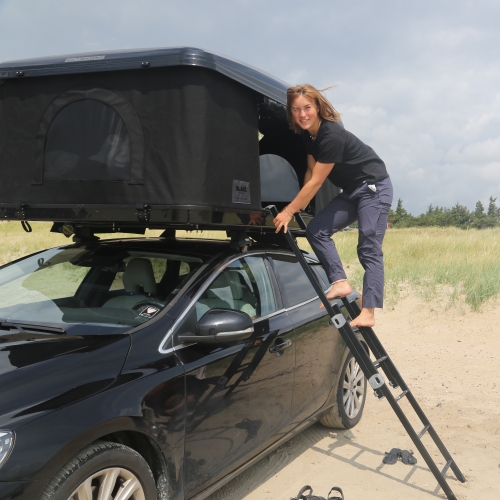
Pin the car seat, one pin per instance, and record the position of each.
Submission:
(228, 292)
(139, 283)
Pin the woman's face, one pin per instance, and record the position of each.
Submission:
(305, 113)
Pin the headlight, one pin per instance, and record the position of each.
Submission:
(6, 444)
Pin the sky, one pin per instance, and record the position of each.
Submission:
(417, 81)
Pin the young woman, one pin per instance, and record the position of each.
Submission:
(366, 196)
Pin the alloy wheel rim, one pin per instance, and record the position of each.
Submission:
(353, 389)
(110, 484)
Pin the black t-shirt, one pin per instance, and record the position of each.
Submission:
(355, 162)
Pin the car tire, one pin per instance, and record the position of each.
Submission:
(350, 398)
(103, 470)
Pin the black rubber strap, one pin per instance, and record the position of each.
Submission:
(336, 488)
(26, 226)
(300, 495)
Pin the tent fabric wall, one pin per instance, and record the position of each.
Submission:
(193, 136)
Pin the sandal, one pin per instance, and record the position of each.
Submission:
(408, 458)
(310, 496)
(336, 488)
(392, 457)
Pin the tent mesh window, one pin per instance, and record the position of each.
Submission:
(87, 140)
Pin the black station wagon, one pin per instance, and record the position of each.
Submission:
(144, 368)
(131, 365)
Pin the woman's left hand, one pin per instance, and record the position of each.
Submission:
(282, 220)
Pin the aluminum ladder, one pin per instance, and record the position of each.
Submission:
(371, 369)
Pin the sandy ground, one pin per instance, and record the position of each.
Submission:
(450, 359)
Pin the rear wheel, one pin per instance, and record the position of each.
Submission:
(350, 398)
(103, 471)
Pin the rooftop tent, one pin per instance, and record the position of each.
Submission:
(163, 128)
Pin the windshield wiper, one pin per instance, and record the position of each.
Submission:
(31, 327)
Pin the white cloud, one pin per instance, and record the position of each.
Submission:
(417, 175)
(476, 153)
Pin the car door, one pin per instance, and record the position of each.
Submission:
(318, 345)
(239, 394)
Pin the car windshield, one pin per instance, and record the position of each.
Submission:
(97, 290)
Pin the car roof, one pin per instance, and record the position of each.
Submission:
(200, 247)
(193, 246)
(115, 60)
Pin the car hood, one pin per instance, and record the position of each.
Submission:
(40, 373)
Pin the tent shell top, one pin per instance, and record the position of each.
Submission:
(116, 60)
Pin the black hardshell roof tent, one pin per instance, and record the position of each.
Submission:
(159, 136)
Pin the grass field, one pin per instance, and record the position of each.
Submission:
(459, 267)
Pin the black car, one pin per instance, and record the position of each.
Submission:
(156, 368)
(161, 367)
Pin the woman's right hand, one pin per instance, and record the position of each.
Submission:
(282, 220)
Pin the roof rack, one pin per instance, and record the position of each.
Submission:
(258, 224)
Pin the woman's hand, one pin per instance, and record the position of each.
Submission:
(282, 220)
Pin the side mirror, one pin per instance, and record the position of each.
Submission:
(219, 326)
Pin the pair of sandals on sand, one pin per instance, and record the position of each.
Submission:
(309, 496)
(395, 454)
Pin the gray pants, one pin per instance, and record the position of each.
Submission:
(371, 210)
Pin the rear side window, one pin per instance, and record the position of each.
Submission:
(295, 285)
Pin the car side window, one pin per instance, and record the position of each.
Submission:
(244, 286)
(296, 287)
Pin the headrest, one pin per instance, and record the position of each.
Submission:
(139, 273)
(228, 278)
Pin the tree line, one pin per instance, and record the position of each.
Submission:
(458, 216)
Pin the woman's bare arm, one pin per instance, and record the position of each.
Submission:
(313, 180)
(310, 168)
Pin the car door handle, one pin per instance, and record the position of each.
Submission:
(280, 346)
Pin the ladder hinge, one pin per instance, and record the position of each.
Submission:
(376, 381)
(338, 320)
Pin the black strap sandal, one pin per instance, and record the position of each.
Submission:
(310, 496)
(408, 458)
(335, 488)
(392, 457)
(301, 496)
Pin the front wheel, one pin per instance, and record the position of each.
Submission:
(103, 471)
(350, 397)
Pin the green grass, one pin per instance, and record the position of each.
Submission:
(454, 266)
(451, 263)
(447, 264)
(461, 267)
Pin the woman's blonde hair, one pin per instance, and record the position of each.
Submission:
(326, 110)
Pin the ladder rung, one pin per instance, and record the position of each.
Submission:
(446, 467)
(378, 361)
(423, 431)
(404, 393)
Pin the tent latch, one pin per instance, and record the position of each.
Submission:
(21, 212)
(143, 212)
